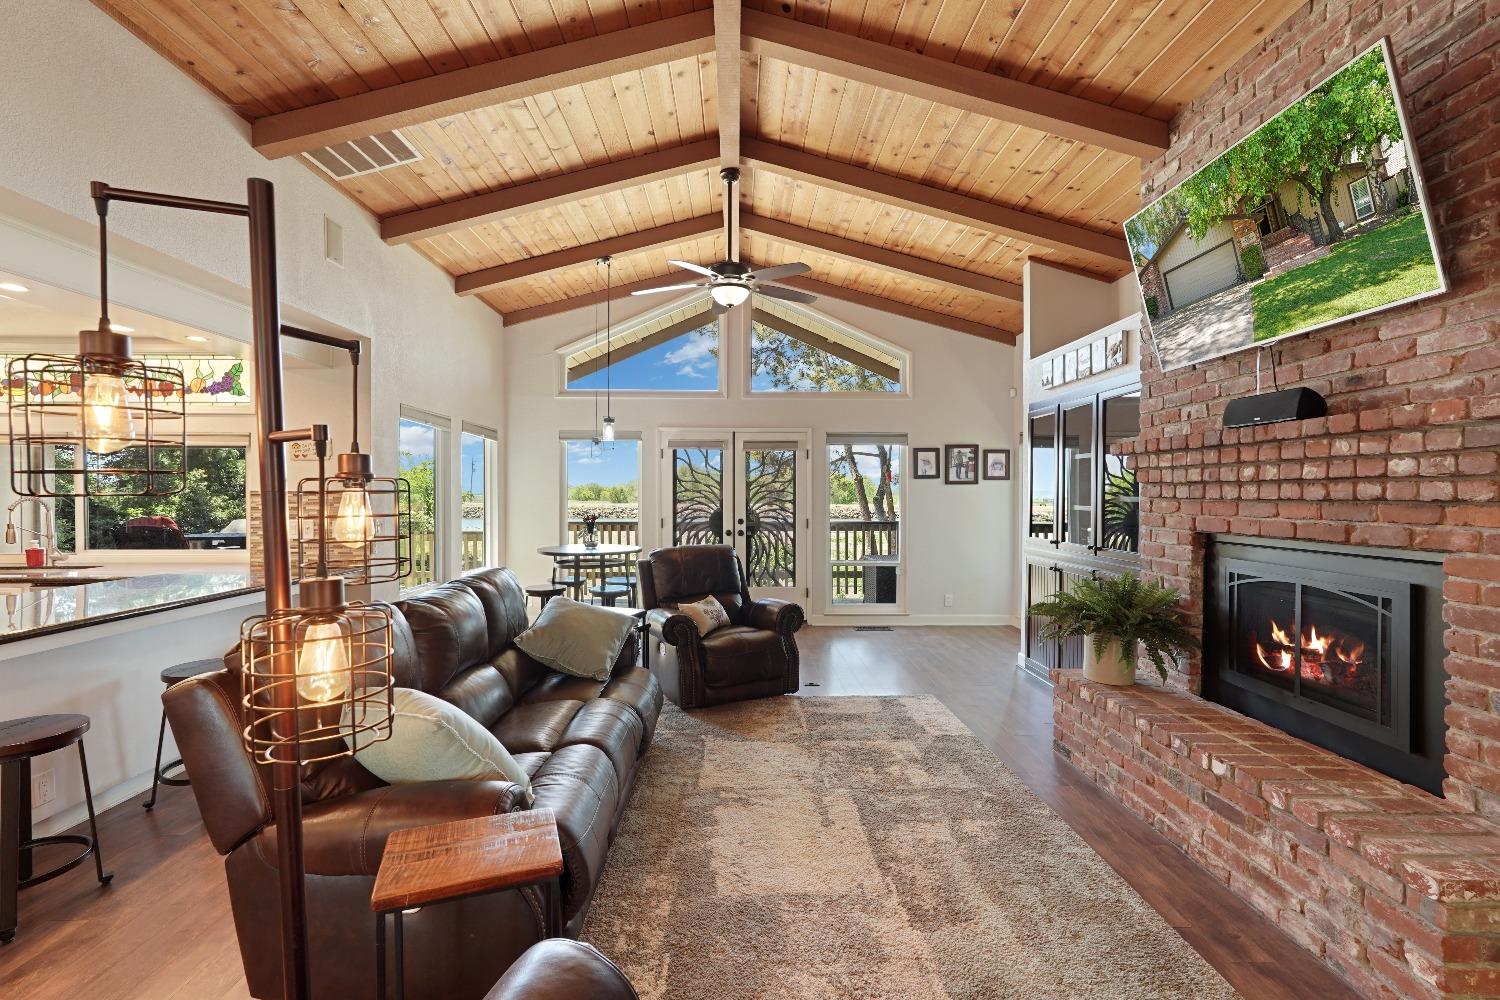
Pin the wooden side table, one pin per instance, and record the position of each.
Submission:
(435, 864)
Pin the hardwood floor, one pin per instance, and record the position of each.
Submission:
(162, 930)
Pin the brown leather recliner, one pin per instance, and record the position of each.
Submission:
(559, 969)
(755, 656)
(579, 740)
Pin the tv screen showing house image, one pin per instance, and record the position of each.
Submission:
(1316, 217)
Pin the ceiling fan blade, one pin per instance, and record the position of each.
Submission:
(790, 294)
(779, 271)
(670, 288)
(687, 265)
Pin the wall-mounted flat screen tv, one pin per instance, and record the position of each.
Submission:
(1316, 217)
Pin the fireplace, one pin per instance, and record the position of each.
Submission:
(1338, 645)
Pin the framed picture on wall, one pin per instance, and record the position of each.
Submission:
(1047, 375)
(961, 464)
(1057, 370)
(997, 463)
(924, 463)
(1114, 350)
(1070, 366)
(1085, 361)
(1100, 361)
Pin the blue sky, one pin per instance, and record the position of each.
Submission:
(610, 464)
(683, 363)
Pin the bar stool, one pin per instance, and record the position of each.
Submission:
(169, 677)
(624, 576)
(544, 592)
(607, 595)
(21, 740)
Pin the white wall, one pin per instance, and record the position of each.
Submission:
(959, 539)
(88, 101)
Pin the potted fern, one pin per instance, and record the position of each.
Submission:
(1116, 615)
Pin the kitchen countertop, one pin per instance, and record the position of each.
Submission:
(31, 609)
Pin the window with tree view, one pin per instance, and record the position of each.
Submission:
(864, 519)
(420, 450)
(1119, 511)
(604, 483)
(802, 353)
(208, 514)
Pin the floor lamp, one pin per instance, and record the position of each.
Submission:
(315, 674)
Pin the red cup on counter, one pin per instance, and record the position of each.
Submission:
(36, 556)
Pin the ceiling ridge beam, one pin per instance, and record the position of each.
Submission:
(950, 206)
(549, 192)
(560, 260)
(730, 72)
(529, 313)
(497, 82)
(880, 302)
(952, 85)
(883, 259)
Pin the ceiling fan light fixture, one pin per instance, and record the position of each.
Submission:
(729, 294)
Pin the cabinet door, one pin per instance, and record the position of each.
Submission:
(1043, 517)
(1120, 498)
(1078, 486)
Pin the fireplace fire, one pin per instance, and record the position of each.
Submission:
(1332, 644)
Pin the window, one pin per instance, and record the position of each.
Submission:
(674, 352)
(795, 351)
(1119, 506)
(604, 481)
(478, 450)
(1078, 474)
(208, 514)
(421, 447)
(1044, 476)
(1362, 198)
(864, 519)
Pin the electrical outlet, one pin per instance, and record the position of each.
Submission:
(43, 788)
(947, 600)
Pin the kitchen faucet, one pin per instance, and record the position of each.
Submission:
(53, 556)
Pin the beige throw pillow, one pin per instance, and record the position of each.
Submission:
(708, 614)
(579, 639)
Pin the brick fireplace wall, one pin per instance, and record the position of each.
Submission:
(1409, 455)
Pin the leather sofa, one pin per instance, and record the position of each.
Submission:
(559, 969)
(579, 740)
(755, 656)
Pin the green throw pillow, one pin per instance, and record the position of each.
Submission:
(579, 639)
(435, 740)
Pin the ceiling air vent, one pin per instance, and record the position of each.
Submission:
(382, 151)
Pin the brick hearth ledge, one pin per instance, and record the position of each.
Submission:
(1398, 889)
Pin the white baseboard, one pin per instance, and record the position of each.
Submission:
(71, 816)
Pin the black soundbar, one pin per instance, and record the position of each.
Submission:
(1274, 407)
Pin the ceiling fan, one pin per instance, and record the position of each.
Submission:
(729, 281)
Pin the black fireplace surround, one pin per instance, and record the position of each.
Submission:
(1338, 645)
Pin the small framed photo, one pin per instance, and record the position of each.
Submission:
(1085, 361)
(1046, 374)
(1096, 349)
(997, 463)
(1114, 350)
(925, 463)
(1057, 371)
(961, 464)
(1070, 366)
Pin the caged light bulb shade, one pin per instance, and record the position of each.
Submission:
(323, 662)
(609, 429)
(108, 425)
(354, 524)
(729, 294)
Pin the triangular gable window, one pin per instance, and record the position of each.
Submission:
(676, 352)
(793, 350)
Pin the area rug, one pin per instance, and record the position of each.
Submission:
(865, 849)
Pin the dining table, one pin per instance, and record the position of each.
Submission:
(576, 555)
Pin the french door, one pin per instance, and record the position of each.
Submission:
(747, 489)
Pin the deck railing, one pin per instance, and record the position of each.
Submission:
(856, 550)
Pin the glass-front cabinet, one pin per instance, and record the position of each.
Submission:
(1084, 503)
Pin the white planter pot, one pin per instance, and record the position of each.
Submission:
(1114, 667)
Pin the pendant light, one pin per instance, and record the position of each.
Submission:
(607, 431)
(98, 423)
(366, 519)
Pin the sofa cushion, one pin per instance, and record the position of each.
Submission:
(563, 687)
(433, 740)
(504, 601)
(578, 639)
(450, 633)
(482, 692)
(742, 655)
(638, 688)
(614, 728)
(538, 726)
(579, 784)
(521, 672)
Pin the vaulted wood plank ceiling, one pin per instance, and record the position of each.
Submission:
(911, 153)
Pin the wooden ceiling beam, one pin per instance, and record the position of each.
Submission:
(518, 316)
(936, 202)
(535, 267)
(727, 63)
(890, 261)
(955, 323)
(534, 196)
(486, 85)
(904, 72)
